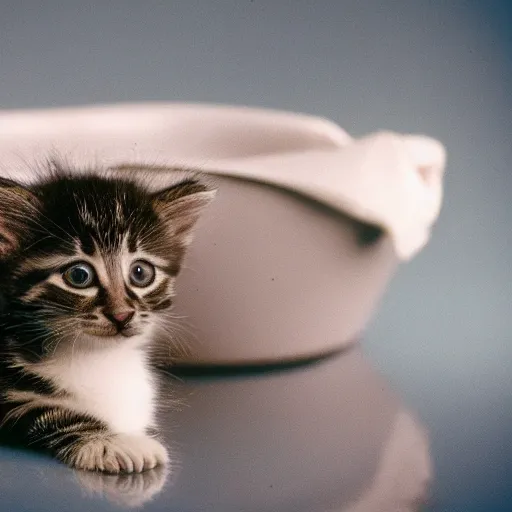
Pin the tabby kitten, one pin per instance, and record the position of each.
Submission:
(87, 267)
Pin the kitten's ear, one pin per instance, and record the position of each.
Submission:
(17, 206)
(180, 206)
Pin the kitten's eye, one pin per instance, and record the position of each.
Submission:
(142, 274)
(80, 275)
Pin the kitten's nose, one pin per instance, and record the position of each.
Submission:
(122, 317)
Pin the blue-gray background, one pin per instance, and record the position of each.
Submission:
(444, 332)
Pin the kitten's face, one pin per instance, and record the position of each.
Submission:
(94, 258)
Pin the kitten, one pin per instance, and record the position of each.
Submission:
(87, 267)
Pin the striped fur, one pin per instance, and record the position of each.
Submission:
(75, 375)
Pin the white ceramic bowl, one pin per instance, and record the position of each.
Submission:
(273, 275)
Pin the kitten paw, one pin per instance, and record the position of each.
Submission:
(121, 453)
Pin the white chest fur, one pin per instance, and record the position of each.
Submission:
(114, 385)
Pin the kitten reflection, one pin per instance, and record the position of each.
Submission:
(129, 490)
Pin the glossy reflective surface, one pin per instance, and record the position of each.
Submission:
(327, 436)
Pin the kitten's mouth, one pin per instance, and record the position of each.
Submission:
(113, 333)
(128, 332)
